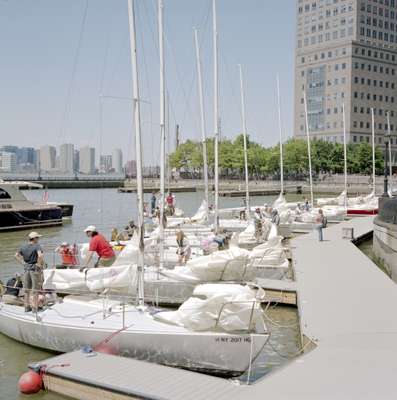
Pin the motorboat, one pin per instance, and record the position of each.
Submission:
(17, 212)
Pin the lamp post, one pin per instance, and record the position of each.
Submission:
(385, 182)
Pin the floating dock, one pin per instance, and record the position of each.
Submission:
(347, 314)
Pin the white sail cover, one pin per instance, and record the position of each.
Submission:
(219, 306)
(201, 215)
(248, 235)
(333, 201)
(93, 279)
(227, 265)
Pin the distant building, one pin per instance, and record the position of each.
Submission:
(87, 160)
(47, 158)
(105, 164)
(130, 168)
(117, 161)
(8, 162)
(76, 161)
(66, 158)
(26, 155)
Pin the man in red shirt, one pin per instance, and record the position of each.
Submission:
(99, 245)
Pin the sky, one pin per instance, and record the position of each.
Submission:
(65, 71)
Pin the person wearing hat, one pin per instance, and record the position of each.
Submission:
(31, 256)
(99, 245)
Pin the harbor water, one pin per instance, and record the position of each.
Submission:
(106, 209)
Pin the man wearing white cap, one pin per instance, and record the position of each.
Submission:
(32, 258)
(99, 245)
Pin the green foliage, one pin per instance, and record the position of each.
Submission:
(327, 157)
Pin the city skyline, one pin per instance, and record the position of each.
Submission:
(78, 90)
(65, 159)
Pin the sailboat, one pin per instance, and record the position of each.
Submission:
(219, 330)
(361, 205)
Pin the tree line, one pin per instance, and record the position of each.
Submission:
(264, 162)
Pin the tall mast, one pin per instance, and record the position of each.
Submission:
(309, 150)
(138, 149)
(216, 115)
(373, 151)
(390, 154)
(162, 129)
(281, 138)
(344, 150)
(202, 119)
(247, 193)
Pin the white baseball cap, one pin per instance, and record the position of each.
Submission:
(65, 244)
(90, 228)
(34, 235)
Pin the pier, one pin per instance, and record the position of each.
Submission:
(349, 333)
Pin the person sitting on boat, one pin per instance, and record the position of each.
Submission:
(184, 250)
(170, 203)
(68, 255)
(31, 256)
(98, 244)
(12, 291)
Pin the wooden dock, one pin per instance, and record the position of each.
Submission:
(347, 312)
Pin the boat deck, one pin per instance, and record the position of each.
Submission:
(347, 309)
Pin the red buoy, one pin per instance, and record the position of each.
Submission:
(106, 348)
(30, 382)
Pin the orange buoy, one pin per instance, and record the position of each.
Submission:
(106, 348)
(30, 382)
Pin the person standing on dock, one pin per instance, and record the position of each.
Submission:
(170, 203)
(99, 245)
(321, 222)
(31, 256)
(153, 201)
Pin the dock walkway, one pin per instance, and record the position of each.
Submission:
(347, 308)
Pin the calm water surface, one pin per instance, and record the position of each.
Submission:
(106, 209)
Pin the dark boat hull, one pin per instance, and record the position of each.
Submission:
(27, 219)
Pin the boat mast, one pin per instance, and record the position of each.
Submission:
(390, 163)
(162, 129)
(281, 138)
(138, 149)
(247, 193)
(309, 150)
(344, 150)
(202, 120)
(373, 151)
(216, 116)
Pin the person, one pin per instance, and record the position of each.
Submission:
(99, 245)
(258, 223)
(157, 215)
(153, 200)
(275, 217)
(306, 205)
(184, 250)
(12, 291)
(31, 256)
(68, 255)
(170, 203)
(321, 222)
(114, 235)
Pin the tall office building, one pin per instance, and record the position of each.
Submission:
(47, 158)
(105, 164)
(87, 160)
(117, 161)
(66, 158)
(8, 162)
(346, 55)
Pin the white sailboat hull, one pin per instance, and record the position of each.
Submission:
(67, 327)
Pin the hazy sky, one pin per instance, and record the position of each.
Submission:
(59, 56)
